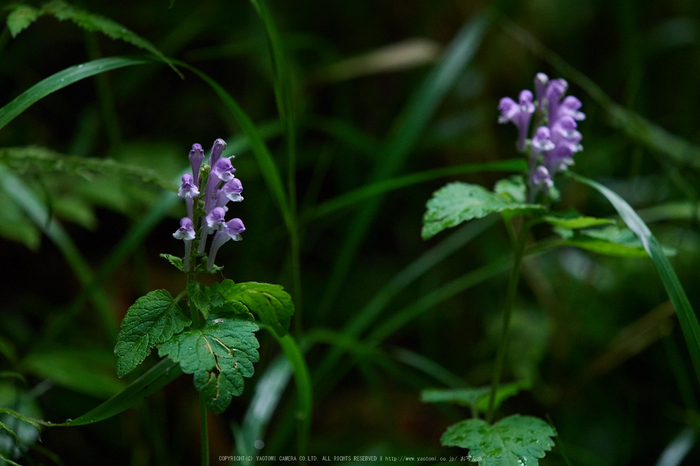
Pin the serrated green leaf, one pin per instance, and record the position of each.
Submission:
(20, 18)
(512, 188)
(30, 158)
(270, 303)
(153, 319)
(89, 21)
(220, 355)
(458, 202)
(199, 298)
(513, 441)
(176, 261)
(572, 219)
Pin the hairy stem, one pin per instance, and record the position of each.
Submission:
(507, 312)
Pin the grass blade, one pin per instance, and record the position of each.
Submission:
(268, 392)
(284, 95)
(685, 312)
(369, 313)
(303, 383)
(381, 187)
(150, 382)
(412, 122)
(62, 79)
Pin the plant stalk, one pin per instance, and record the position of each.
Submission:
(203, 430)
(507, 313)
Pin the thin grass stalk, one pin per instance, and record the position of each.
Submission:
(507, 313)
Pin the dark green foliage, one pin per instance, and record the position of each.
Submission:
(337, 168)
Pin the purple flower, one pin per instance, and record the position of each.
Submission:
(196, 157)
(216, 151)
(541, 178)
(566, 141)
(223, 169)
(541, 141)
(230, 191)
(554, 93)
(570, 107)
(215, 219)
(552, 146)
(187, 234)
(188, 190)
(215, 199)
(519, 114)
(541, 81)
(231, 230)
(186, 231)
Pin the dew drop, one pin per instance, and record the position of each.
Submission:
(80, 66)
(69, 420)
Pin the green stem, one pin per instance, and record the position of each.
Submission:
(203, 430)
(507, 312)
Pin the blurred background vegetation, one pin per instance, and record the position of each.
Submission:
(380, 313)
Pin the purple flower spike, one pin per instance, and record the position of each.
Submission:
(216, 151)
(223, 169)
(555, 91)
(186, 233)
(232, 230)
(519, 114)
(196, 157)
